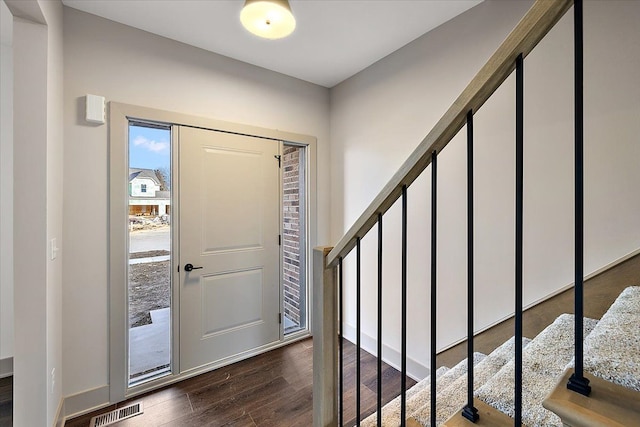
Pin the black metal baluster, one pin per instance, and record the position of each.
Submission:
(519, 225)
(434, 230)
(340, 344)
(379, 320)
(470, 412)
(358, 329)
(578, 382)
(403, 350)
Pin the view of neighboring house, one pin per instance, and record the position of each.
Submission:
(147, 193)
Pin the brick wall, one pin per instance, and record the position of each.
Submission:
(291, 233)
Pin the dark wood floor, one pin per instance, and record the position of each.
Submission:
(273, 389)
(6, 401)
(391, 384)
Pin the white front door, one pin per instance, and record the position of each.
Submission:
(229, 232)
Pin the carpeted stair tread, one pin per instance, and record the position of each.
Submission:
(391, 418)
(392, 409)
(544, 360)
(454, 397)
(424, 397)
(612, 349)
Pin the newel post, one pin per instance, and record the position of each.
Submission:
(325, 341)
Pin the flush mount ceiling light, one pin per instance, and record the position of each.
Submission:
(271, 19)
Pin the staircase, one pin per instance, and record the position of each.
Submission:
(545, 359)
(577, 372)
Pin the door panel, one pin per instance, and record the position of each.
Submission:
(234, 218)
(229, 226)
(231, 301)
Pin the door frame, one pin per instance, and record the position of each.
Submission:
(119, 116)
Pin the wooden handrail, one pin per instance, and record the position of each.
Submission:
(538, 21)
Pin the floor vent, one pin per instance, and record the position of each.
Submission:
(117, 415)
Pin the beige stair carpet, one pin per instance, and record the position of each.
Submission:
(544, 360)
(392, 417)
(424, 397)
(392, 409)
(454, 397)
(611, 351)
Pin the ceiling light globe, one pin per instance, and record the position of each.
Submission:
(270, 19)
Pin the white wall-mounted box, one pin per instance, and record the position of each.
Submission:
(95, 110)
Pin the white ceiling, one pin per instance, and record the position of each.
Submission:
(333, 40)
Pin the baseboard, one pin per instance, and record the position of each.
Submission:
(507, 317)
(612, 264)
(6, 367)
(60, 414)
(85, 402)
(391, 356)
(565, 288)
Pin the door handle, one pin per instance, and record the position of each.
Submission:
(189, 267)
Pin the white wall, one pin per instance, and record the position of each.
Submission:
(30, 136)
(53, 12)
(6, 184)
(381, 114)
(37, 48)
(131, 66)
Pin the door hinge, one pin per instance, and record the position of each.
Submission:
(280, 318)
(279, 159)
(279, 239)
